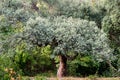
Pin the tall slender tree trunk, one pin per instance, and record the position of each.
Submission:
(62, 67)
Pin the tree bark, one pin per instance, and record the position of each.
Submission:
(62, 67)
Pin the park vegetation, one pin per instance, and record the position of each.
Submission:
(59, 38)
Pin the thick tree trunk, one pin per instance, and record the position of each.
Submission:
(62, 67)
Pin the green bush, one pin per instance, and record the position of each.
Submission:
(83, 66)
(34, 60)
(8, 69)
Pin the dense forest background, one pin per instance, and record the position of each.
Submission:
(35, 33)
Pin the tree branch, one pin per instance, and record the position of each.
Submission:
(114, 38)
(34, 5)
(71, 57)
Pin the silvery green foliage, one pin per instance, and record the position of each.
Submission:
(11, 13)
(72, 8)
(38, 31)
(82, 9)
(111, 22)
(16, 10)
(111, 25)
(69, 35)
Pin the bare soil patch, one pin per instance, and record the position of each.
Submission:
(77, 78)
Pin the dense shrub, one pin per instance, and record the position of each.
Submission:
(8, 69)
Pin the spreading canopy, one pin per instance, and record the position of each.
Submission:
(63, 34)
(68, 35)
